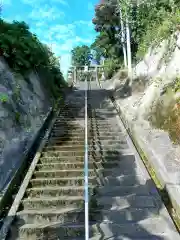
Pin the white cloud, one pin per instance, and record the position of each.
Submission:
(64, 37)
(46, 13)
(82, 40)
(40, 24)
(65, 62)
(63, 2)
(18, 18)
(32, 2)
(68, 45)
(82, 22)
(67, 30)
(5, 2)
(35, 2)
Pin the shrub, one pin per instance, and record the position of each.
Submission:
(24, 52)
(165, 115)
(4, 97)
(110, 67)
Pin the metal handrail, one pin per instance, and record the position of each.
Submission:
(86, 170)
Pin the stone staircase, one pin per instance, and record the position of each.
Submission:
(121, 206)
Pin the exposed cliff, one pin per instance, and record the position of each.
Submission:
(152, 111)
(23, 106)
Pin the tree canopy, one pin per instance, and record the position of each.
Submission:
(81, 55)
(23, 52)
(160, 22)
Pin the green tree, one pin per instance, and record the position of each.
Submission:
(80, 55)
(24, 52)
(147, 27)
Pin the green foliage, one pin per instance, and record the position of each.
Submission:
(157, 31)
(165, 115)
(17, 117)
(177, 84)
(17, 92)
(80, 55)
(24, 52)
(147, 27)
(4, 97)
(111, 66)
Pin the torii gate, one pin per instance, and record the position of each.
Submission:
(76, 73)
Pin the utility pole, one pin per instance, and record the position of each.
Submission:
(127, 61)
(128, 50)
(123, 37)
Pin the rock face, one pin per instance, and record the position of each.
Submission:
(23, 106)
(158, 68)
(156, 144)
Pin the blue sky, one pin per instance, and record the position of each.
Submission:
(62, 23)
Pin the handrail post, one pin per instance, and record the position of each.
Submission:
(86, 167)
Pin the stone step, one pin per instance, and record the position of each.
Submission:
(110, 165)
(53, 202)
(62, 124)
(128, 201)
(62, 121)
(124, 180)
(96, 146)
(67, 132)
(48, 215)
(70, 214)
(104, 129)
(111, 148)
(53, 230)
(127, 215)
(69, 137)
(107, 127)
(112, 191)
(68, 142)
(62, 173)
(103, 137)
(111, 142)
(104, 133)
(63, 153)
(68, 159)
(116, 172)
(99, 237)
(143, 229)
(64, 159)
(63, 166)
(73, 147)
(58, 191)
(67, 126)
(108, 154)
(43, 182)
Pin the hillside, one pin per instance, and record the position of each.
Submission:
(30, 84)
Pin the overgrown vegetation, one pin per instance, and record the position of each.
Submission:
(165, 114)
(24, 52)
(147, 27)
(81, 55)
(161, 27)
(111, 66)
(3, 97)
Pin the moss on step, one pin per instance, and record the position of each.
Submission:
(17, 117)
(4, 98)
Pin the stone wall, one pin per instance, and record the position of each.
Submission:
(159, 67)
(23, 106)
